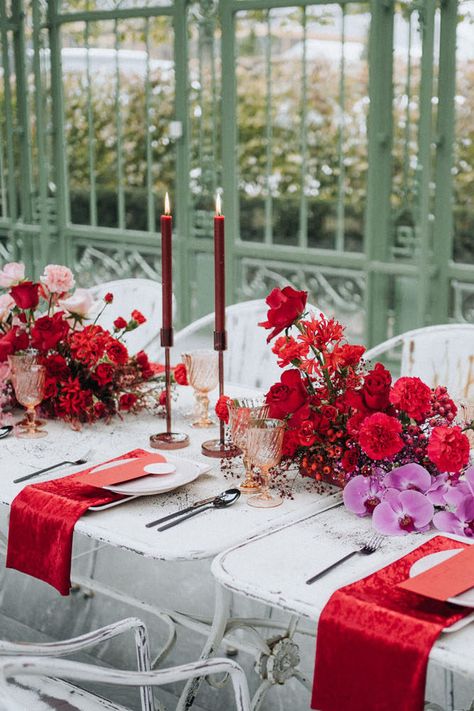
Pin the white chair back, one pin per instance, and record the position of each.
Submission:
(130, 294)
(439, 355)
(249, 360)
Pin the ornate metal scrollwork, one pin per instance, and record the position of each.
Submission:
(282, 662)
(94, 265)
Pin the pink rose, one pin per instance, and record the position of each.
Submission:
(57, 279)
(11, 274)
(80, 303)
(6, 305)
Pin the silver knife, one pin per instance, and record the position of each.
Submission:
(196, 505)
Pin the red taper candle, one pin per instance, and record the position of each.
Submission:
(167, 273)
(219, 268)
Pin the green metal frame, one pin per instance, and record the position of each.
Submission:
(35, 215)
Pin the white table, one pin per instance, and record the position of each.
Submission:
(282, 561)
(123, 527)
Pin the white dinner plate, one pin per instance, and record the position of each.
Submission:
(185, 471)
(466, 599)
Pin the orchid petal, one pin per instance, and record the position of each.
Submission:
(409, 476)
(385, 520)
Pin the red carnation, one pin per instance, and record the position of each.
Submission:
(162, 399)
(120, 323)
(88, 345)
(144, 365)
(448, 448)
(180, 374)
(288, 395)
(138, 316)
(379, 436)
(48, 331)
(108, 298)
(116, 351)
(127, 401)
(222, 408)
(103, 373)
(376, 388)
(286, 305)
(25, 295)
(413, 396)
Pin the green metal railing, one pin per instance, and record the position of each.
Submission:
(328, 126)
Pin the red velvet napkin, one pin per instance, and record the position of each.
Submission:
(42, 520)
(374, 640)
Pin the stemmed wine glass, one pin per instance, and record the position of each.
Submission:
(264, 445)
(28, 384)
(23, 361)
(241, 412)
(203, 376)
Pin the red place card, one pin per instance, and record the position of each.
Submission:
(448, 579)
(124, 471)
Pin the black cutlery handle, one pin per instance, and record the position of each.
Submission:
(174, 514)
(40, 471)
(330, 567)
(183, 518)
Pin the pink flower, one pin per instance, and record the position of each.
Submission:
(6, 305)
(460, 521)
(11, 274)
(409, 476)
(80, 303)
(447, 489)
(403, 512)
(362, 494)
(57, 279)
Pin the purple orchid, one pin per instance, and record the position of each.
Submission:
(403, 512)
(363, 494)
(410, 476)
(460, 521)
(469, 475)
(447, 489)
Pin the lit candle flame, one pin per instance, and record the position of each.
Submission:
(218, 205)
(167, 205)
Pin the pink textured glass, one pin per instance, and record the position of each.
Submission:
(241, 412)
(264, 445)
(203, 376)
(29, 391)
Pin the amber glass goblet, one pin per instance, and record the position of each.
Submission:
(264, 445)
(203, 376)
(23, 361)
(241, 412)
(28, 384)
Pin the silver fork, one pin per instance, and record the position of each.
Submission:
(369, 547)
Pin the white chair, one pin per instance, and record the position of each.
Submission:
(439, 355)
(249, 360)
(130, 294)
(32, 676)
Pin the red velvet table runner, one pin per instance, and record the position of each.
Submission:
(374, 640)
(42, 520)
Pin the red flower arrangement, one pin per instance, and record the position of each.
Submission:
(345, 418)
(90, 373)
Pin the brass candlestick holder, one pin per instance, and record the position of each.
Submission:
(219, 448)
(168, 439)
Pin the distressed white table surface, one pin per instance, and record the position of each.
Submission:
(124, 526)
(283, 560)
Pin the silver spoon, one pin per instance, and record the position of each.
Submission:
(227, 498)
(76, 462)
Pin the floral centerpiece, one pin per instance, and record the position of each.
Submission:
(90, 374)
(395, 447)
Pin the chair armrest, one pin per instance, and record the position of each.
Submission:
(76, 671)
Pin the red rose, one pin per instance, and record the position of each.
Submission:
(48, 331)
(349, 460)
(120, 323)
(138, 316)
(379, 436)
(448, 448)
(103, 373)
(222, 408)
(50, 388)
(116, 351)
(100, 410)
(180, 374)
(286, 305)
(25, 295)
(127, 401)
(376, 388)
(413, 396)
(290, 443)
(108, 298)
(306, 434)
(14, 340)
(288, 395)
(56, 366)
